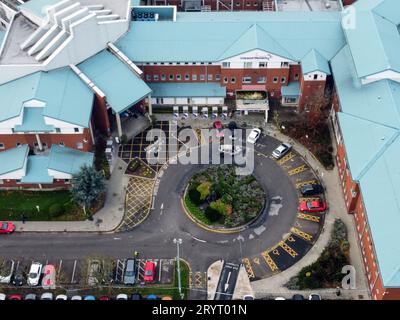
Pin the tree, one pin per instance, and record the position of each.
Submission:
(87, 186)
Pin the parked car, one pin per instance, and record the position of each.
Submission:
(312, 205)
(6, 227)
(46, 296)
(229, 149)
(311, 189)
(76, 298)
(104, 298)
(122, 296)
(94, 270)
(15, 297)
(248, 297)
(220, 130)
(30, 296)
(34, 274)
(2, 297)
(314, 296)
(61, 297)
(281, 151)
(18, 279)
(136, 296)
(130, 272)
(89, 298)
(280, 298)
(254, 136)
(152, 297)
(49, 277)
(298, 297)
(149, 271)
(8, 270)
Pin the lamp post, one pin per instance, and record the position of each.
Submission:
(178, 242)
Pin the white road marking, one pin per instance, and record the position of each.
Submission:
(259, 230)
(275, 207)
(197, 239)
(251, 236)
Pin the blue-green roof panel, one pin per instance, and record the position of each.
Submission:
(36, 171)
(13, 159)
(68, 160)
(291, 90)
(33, 121)
(314, 61)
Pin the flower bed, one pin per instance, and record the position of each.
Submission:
(219, 197)
(138, 168)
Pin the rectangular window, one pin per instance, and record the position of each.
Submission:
(202, 77)
(284, 64)
(315, 76)
(155, 77)
(283, 80)
(296, 76)
(61, 143)
(2, 146)
(225, 79)
(275, 80)
(233, 80)
(178, 77)
(248, 65)
(194, 77)
(217, 77)
(79, 145)
(226, 64)
(76, 129)
(262, 64)
(163, 77)
(148, 77)
(246, 80)
(209, 77)
(171, 77)
(58, 130)
(262, 79)
(187, 77)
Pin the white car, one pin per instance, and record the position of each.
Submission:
(2, 297)
(61, 297)
(254, 136)
(280, 298)
(122, 296)
(229, 149)
(314, 296)
(76, 298)
(283, 149)
(8, 269)
(46, 296)
(34, 274)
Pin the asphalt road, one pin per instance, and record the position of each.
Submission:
(227, 281)
(154, 237)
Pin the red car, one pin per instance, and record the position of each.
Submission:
(104, 298)
(7, 227)
(312, 205)
(15, 297)
(220, 130)
(149, 271)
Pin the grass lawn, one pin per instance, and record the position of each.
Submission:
(15, 203)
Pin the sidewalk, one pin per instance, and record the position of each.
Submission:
(275, 285)
(106, 220)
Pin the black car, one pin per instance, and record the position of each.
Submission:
(18, 279)
(311, 189)
(298, 297)
(136, 296)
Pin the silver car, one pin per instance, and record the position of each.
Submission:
(7, 270)
(130, 272)
(283, 149)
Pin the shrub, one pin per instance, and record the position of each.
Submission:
(195, 196)
(134, 165)
(124, 139)
(212, 214)
(204, 189)
(219, 206)
(56, 210)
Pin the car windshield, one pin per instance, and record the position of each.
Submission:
(312, 204)
(129, 273)
(148, 273)
(4, 226)
(33, 275)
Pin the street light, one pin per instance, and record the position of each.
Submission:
(178, 242)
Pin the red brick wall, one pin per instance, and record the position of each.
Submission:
(70, 140)
(308, 90)
(335, 101)
(100, 115)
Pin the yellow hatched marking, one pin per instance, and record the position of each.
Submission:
(190, 279)
(288, 249)
(297, 170)
(286, 158)
(268, 260)
(301, 234)
(303, 183)
(308, 199)
(248, 268)
(308, 217)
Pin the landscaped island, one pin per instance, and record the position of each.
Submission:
(218, 197)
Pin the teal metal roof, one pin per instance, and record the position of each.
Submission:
(38, 6)
(314, 61)
(291, 90)
(68, 160)
(122, 87)
(374, 42)
(33, 121)
(213, 36)
(13, 159)
(36, 171)
(66, 97)
(187, 90)
(370, 125)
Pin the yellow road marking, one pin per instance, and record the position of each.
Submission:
(268, 260)
(286, 158)
(301, 234)
(249, 269)
(308, 217)
(288, 249)
(297, 170)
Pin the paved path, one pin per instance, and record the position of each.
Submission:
(337, 209)
(106, 220)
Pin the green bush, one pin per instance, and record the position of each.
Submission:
(204, 189)
(56, 210)
(212, 214)
(195, 196)
(134, 165)
(219, 206)
(326, 158)
(124, 139)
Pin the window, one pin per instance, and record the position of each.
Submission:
(186, 62)
(217, 77)
(290, 100)
(2, 146)
(262, 79)
(284, 64)
(296, 76)
(163, 77)
(248, 65)
(18, 144)
(262, 64)
(233, 80)
(209, 77)
(162, 63)
(187, 77)
(225, 79)
(170, 63)
(79, 145)
(283, 80)
(194, 63)
(178, 77)
(246, 80)
(155, 77)
(194, 77)
(275, 80)
(148, 77)
(315, 76)
(76, 129)
(178, 63)
(171, 77)
(66, 181)
(202, 77)
(61, 143)
(226, 64)
(58, 130)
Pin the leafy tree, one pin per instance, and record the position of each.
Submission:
(87, 186)
(204, 190)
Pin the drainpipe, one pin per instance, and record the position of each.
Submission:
(119, 127)
(39, 142)
(150, 105)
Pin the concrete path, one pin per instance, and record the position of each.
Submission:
(274, 286)
(106, 220)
